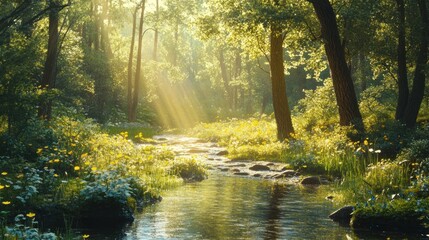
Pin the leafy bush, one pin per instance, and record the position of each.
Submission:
(26, 228)
(387, 176)
(189, 169)
(417, 156)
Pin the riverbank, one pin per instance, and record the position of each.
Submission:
(383, 176)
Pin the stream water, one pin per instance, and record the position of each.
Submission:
(228, 206)
(225, 207)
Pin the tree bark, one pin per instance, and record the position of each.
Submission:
(225, 78)
(418, 89)
(155, 39)
(50, 70)
(403, 91)
(341, 77)
(133, 116)
(130, 67)
(280, 101)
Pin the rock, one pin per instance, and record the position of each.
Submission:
(342, 215)
(313, 180)
(235, 170)
(222, 153)
(197, 151)
(161, 139)
(241, 173)
(330, 198)
(270, 164)
(259, 167)
(286, 174)
(237, 165)
(257, 175)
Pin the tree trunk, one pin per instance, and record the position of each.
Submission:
(155, 40)
(104, 28)
(403, 90)
(50, 70)
(341, 77)
(133, 116)
(280, 101)
(225, 78)
(130, 67)
(418, 89)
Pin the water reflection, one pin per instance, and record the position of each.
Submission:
(237, 208)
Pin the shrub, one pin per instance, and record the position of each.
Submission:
(189, 169)
(387, 176)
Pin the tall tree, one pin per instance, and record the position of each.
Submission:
(403, 91)
(156, 34)
(50, 70)
(341, 76)
(280, 101)
(417, 91)
(130, 67)
(136, 94)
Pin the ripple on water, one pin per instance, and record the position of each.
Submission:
(236, 208)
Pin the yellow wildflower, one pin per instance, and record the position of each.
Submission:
(4, 173)
(55, 175)
(70, 153)
(85, 236)
(30, 215)
(84, 155)
(39, 150)
(94, 169)
(6, 203)
(365, 142)
(56, 160)
(76, 168)
(1, 187)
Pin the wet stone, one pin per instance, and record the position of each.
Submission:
(259, 167)
(222, 153)
(241, 173)
(313, 180)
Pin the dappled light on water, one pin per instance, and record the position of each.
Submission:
(237, 208)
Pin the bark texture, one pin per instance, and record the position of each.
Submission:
(280, 102)
(343, 84)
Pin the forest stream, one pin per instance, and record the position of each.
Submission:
(228, 205)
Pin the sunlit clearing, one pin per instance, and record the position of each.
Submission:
(177, 105)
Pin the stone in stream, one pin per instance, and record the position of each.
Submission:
(342, 215)
(195, 150)
(222, 153)
(286, 174)
(259, 167)
(235, 170)
(237, 165)
(223, 168)
(161, 139)
(313, 180)
(241, 173)
(257, 175)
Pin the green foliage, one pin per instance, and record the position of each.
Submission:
(26, 228)
(387, 176)
(317, 110)
(416, 156)
(189, 169)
